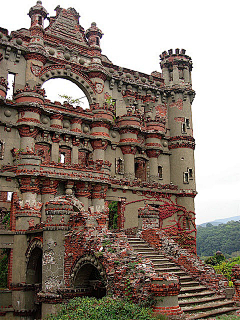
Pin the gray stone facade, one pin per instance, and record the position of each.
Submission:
(134, 145)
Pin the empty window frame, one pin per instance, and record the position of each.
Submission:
(190, 173)
(9, 195)
(184, 127)
(11, 84)
(185, 177)
(62, 157)
(1, 149)
(187, 121)
(119, 166)
(160, 172)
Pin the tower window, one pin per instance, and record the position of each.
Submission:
(97, 41)
(185, 177)
(11, 83)
(62, 157)
(184, 128)
(119, 166)
(187, 223)
(190, 173)
(1, 149)
(40, 20)
(160, 172)
(9, 195)
(187, 121)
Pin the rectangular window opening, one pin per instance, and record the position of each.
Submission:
(190, 173)
(187, 121)
(160, 172)
(184, 128)
(11, 84)
(9, 196)
(62, 157)
(185, 177)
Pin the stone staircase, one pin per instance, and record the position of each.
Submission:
(196, 301)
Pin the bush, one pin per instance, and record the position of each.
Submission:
(104, 309)
(3, 268)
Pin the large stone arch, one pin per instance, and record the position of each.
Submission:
(89, 276)
(72, 74)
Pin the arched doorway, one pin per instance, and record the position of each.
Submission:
(34, 277)
(89, 280)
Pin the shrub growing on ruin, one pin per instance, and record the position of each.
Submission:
(104, 309)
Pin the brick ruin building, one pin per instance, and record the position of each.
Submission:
(61, 167)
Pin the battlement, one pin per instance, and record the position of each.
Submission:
(174, 54)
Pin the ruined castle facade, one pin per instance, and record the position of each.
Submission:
(62, 165)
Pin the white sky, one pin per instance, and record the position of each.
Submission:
(135, 33)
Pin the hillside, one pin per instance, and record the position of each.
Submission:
(224, 238)
(219, 221)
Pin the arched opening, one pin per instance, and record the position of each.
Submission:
(34, 277)
(58, 89)
(89, 280)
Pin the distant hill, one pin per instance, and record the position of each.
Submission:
(225, 238)
(219, 221)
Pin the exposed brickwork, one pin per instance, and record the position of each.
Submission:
(67, 163)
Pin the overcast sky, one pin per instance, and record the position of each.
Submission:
(135, 33)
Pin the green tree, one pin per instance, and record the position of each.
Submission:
(224, 238)
(70, 99)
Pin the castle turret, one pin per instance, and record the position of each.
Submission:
(176, 69)
(36, 47)
(94, 34)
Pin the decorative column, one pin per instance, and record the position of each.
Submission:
(83, 193)
(28, 102)
(129, 126)
(74, 156)
(29, 209)
(3, 88)
(153, 145)
(55, 147)
(99, 196)
(165, 289)
(56, 226)
(48, 191)
(99, 148)
(129, 161)
(103, 118)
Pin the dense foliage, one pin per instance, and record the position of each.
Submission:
(224, 238)
(103, 309)
(222, 265)
(3, 268)
(113, 214)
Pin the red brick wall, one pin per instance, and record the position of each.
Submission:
(44, 151)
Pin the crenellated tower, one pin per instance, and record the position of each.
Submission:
(176, 68)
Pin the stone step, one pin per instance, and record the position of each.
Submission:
(212, 313)
(170, 269)
(194, 301)
(159, 260)
(205, 293)
(208, 306)
(189, 284)
(185, 278)
(192, 289)
(164, 264)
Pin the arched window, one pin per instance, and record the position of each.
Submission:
(63, 90)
